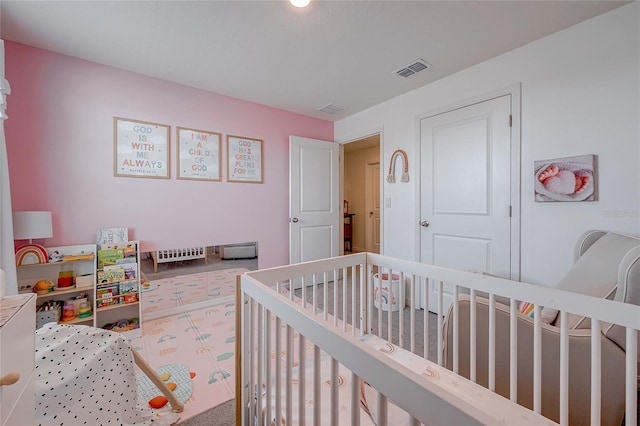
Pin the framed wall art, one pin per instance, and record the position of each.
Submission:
(199, 155)
(566, 179)
(141, 149)
(244, 159)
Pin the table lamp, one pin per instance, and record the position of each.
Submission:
(30, 225)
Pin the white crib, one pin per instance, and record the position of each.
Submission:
(307, 357)
(177, 255)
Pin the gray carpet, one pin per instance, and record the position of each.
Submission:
(222, 415)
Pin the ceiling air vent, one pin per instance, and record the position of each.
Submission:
(331, 109)
(414, 67)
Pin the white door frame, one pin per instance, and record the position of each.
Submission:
(369, 192)
(354, 138)
(515, 92)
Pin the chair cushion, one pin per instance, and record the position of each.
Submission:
(595, 273)
(628, 291)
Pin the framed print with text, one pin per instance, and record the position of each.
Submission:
(199, 155)
(141, 149)
(244, 159)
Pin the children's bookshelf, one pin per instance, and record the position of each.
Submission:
(117, 295)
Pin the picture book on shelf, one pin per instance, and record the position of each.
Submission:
(130, 269)
(106, 296)
(128, 287)
(110, 275)
(108, 257)
(128, 249)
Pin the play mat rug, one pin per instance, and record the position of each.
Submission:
(173, 293)
(203, 342)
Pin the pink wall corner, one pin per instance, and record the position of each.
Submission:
(61, 150)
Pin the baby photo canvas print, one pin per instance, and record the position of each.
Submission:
(565, 179)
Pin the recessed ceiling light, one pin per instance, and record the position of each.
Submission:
(300, 3)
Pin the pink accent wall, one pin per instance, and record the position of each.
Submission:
(61, 151)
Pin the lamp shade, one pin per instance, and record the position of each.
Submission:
(30, 225)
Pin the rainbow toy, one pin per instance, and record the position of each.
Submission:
(31, 254)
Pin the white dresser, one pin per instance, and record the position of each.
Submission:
(17, 355)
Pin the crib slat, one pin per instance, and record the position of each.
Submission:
(382, 410)
(344, 298)
(304, 292)
(335, 385)
(389, 305)
(317, 401)
(335, 296)
(260, 359)
(456, 330)
(379, 299)
(537, 359)
(267, 354)
(278, 359)
(595, 371)
(355, 399)
(369, 299)
(301, 380)
(513, 351)
(492, 342)
(325, 297)
(631, 401)
(425, 317)
(314, 295)
(564, 369)
(354, 300)
(440, 323)
(289, 372)
(401, 306)
(472, 336)
(363, 294)
(412, 296)
(252, 361)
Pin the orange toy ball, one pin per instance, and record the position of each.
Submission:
(42, 285)
(158, 401)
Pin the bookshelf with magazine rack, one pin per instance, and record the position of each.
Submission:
(117, 290)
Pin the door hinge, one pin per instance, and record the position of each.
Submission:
(510, 211)
(510, 120)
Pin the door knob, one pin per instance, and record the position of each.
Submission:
(370, 214)
(424, 224)
(294, 220)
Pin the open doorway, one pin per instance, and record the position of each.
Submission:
(362, 195)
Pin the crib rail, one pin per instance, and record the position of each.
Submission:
(177, 255)
(426, 402)
(335, 301)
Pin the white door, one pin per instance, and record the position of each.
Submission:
(372, 203)
(465, 190)
(315, 213)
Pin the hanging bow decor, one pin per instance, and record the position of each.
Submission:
(391, 178)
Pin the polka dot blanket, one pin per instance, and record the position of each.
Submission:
(87, 376)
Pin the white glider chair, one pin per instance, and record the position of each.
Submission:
(607, 265)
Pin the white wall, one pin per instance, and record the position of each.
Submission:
(580, 95)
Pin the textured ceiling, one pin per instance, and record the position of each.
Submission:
(269, 52)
